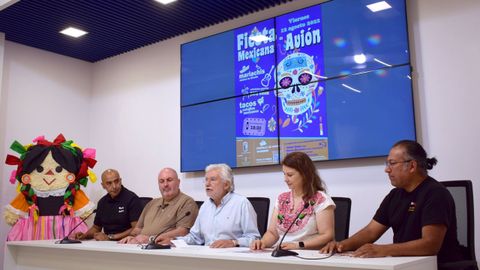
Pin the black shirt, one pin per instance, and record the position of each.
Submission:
(407, 212)
(116, 214)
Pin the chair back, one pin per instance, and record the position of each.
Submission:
(261, 206)
(199, 203)
(342, 217)
(462, 193)
(144, 201)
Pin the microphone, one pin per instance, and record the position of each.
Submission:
(153, 245)
(67, 240)
(279, 252)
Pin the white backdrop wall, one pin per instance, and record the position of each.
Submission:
(128, 107)
(42, 94)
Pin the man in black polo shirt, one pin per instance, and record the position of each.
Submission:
(420, 211)
(117, 212)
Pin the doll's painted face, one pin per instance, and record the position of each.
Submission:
(49, 175)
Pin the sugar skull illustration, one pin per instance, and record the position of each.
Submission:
(295, 72)
(300, 92)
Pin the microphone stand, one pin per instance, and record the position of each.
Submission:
(279, 252)
(153, 245)
(67, 240)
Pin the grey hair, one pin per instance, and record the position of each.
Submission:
(225, 173)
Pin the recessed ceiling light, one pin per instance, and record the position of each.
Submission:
(379, 6)
(73, 32)
(165, 1)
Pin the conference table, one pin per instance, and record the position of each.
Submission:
(45, 254)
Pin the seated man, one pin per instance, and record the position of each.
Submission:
(167, 214)
(225, 220)
(420, 210)
(117, 211)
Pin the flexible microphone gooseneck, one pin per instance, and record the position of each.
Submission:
(153, 245)
(279, 252)
(67, 240)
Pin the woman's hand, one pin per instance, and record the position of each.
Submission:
(290, 245)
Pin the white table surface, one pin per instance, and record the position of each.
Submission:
(46, 254)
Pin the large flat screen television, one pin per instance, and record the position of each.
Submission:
(331, 80)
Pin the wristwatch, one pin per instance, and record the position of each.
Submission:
(110, 237)
(301, 245)
(235, 243)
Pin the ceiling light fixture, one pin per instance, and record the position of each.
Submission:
(73, 32)
(360, 58)
(379, 6)
(381, 62)
(351, 88)
(165, 2)
(316, 75)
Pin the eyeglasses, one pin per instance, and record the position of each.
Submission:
(389, 164)
(211, 179)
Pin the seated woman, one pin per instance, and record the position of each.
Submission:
(314, 226)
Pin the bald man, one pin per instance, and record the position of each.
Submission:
(117, 212)
(166, 215)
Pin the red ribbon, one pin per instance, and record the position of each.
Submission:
(12, 160)
(58, 140)
(90, 162)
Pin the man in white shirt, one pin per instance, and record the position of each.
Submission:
(227, 219)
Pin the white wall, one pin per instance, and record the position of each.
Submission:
(134, 119)
(41, 94)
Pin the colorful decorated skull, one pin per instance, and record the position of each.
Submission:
(295, 72)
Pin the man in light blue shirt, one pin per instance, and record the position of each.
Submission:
(226, 219)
